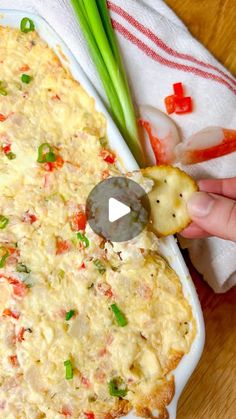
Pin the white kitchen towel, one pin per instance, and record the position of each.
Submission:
(158, 50)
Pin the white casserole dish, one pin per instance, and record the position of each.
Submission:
(168, 246)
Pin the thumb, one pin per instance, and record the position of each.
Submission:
(214, 214)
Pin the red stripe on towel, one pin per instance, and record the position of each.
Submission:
(160, 43)
(171, 64)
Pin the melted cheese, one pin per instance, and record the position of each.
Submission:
(53, 108)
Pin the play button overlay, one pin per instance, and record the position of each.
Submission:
(118, 209)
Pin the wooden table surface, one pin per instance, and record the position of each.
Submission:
(211, 391)
(213, 23)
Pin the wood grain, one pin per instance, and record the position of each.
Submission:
(211, 391)
(213, 23)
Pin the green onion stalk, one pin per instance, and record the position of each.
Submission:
(96, 25)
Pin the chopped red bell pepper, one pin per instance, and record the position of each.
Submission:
(183, 105)
(178, 89)
(6, 149)
(66, 411)
(62, 246)
(108, 156)
(19, 288)
(13, 251)
(2, 117)
(29, 218)
(20, 336)
(24, 67)
(49, 167)
(82, 266)
(58, 164)
(177, 102)
(78, 221)
(13, 360)
(89, 415)
(10, 313)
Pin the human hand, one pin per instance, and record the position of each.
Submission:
(211, 210)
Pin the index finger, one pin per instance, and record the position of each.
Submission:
(225, 187)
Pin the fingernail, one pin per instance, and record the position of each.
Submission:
(200, 204)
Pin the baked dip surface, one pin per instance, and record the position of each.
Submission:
(88, 328)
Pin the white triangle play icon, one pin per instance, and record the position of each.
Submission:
(116, 210)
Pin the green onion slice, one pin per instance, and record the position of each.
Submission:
(103, 141)
(11, 156)
(4, 257)
(27, 25)
(120, 317)
(69, 370)
(3, 222)
(115, 391)
(3, 91)
(61, 274)
(25, 78)
(96, 25)
(115, 106)
(22, 268)
(83, 239)
(45, 154)
(100, 267)
(70, 314)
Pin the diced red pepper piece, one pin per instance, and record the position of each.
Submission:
(108, 156)
(19, 288)
(178, 89)
(170, 104)
(10, 313)
(177, 102)
(13, 360)
(29, 218)
(66, 411)
(50, 166)
(89, 415)
(78, 221)
(82, 266)
(6, 149)
(13, 251)
(62, 246)
(24, 67)
(20, 336)
(2, 117)
(183, 105)
(59, 162)
(109, 293)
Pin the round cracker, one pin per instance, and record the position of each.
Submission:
(168, 198)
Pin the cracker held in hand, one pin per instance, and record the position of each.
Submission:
(168, 197)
